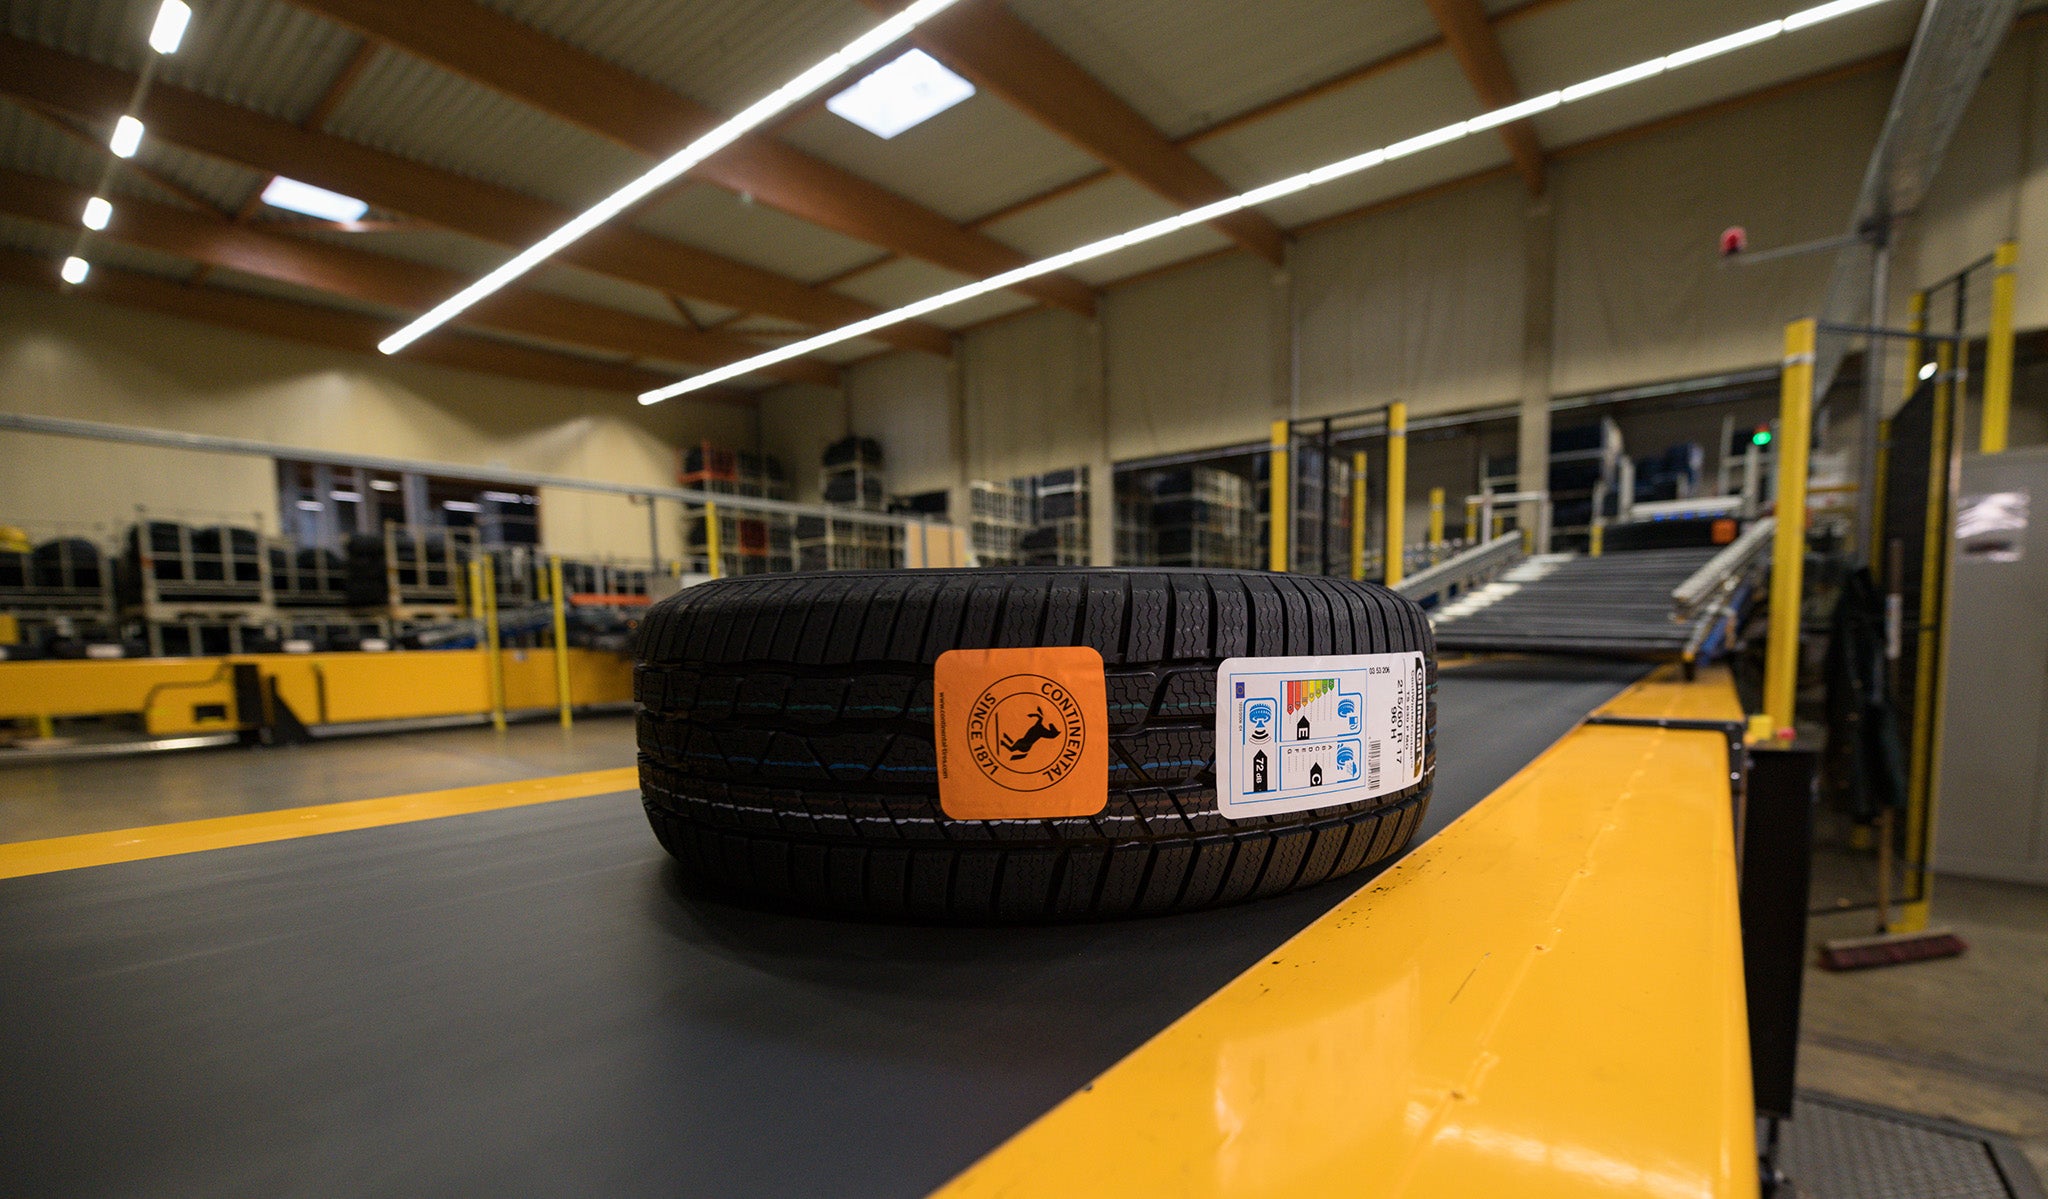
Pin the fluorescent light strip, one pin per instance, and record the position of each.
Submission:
(1259, 195)
(127, 137)
(754, 116)
(75, 269)
(97, 213)
(169, 29)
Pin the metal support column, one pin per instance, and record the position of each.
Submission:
(1788, 559)
(1998, 351)
(1397, 491)
(1873, 391)
(1277, 497)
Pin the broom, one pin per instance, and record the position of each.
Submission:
(1888, 948)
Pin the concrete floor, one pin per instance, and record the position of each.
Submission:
(1963, 1039)
(59, 799)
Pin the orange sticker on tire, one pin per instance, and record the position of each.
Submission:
(1022, 734)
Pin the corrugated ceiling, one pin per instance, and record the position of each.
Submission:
(1182, 64)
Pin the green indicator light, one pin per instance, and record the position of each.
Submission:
(1760, 437)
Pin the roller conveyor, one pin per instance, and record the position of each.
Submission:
(526, 1002)
(1618, 604)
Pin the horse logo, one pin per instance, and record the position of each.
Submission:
(1020, 747)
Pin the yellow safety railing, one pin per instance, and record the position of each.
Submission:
(1397, 490)
(561, 621)
(1278, 496)
(1998, 350)
(1788, 559)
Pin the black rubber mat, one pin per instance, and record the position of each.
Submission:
(523, 1002)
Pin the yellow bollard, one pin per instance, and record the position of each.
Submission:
(1473, 533)
(1788, 557)
(1998, 351)
(1598, 530)
(1397, 490)
(1277, 498)
(1358, 515)
(554, 580)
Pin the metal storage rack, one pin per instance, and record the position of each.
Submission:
(411, 578)
(197, 588)
(1202, 516)
(61, 587)
(1058, 533)
(853, 475)
(823, 544)
(1134, 542)
(747, 543)
(998, 515)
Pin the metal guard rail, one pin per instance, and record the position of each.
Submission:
(1709, 580)
(1463, 569)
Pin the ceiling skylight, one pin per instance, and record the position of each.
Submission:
(304, 198)
(910, 90)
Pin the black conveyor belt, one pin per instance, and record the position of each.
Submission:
(521, 1002)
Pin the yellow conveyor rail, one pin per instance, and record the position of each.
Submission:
(196, 695)
(1544, 999)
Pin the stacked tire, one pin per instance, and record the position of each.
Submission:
(787, 749)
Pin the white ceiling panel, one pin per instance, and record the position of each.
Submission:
(974, 158)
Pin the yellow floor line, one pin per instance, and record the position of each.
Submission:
(254, 828)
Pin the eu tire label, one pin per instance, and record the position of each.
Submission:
(1296, 734)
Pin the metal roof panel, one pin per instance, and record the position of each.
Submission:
(405, 106)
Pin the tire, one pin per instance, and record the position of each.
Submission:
(787, 755)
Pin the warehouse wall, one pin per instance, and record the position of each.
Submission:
(1425, 301)
(75, 357)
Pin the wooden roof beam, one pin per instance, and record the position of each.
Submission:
(39, 75)
(521, 62)
(309, 323)
(993, 47)
(1470, 35)
(377, 279)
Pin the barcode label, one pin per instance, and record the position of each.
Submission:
(1372, 762)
